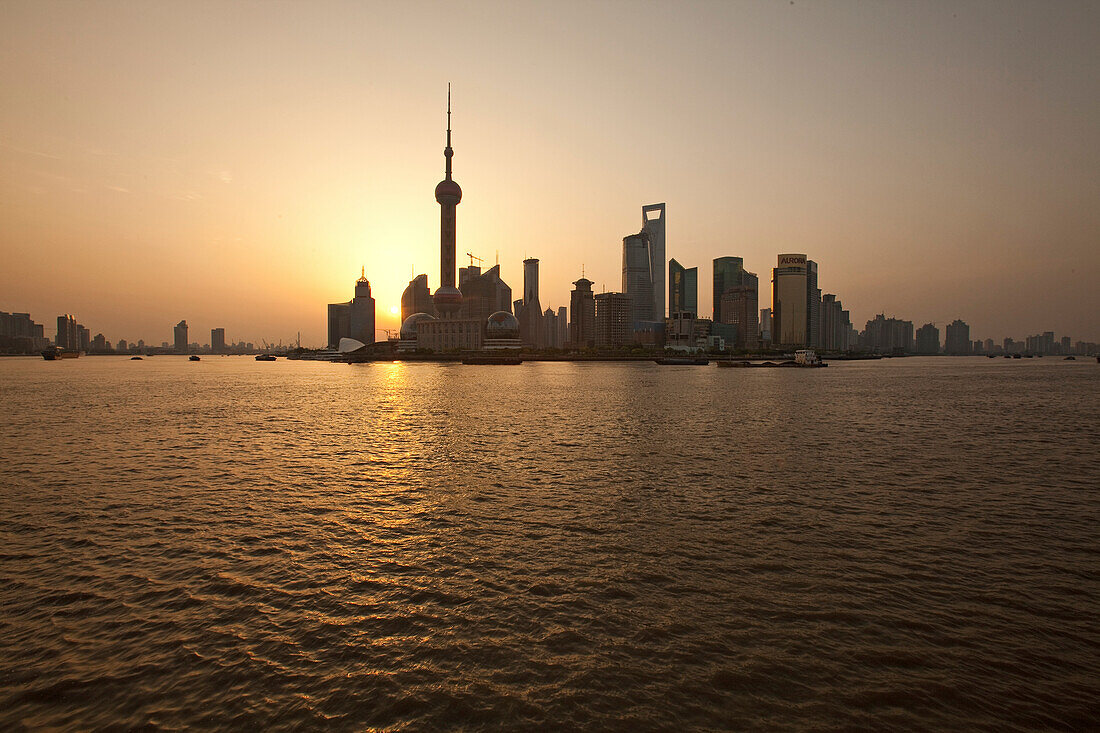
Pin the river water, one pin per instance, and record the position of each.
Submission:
(895, 545)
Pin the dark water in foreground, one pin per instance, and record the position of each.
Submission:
(909, 544)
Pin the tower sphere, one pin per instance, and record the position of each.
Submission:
(448, 192)
(447, 299)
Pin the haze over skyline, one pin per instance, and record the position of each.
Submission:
(236, 164)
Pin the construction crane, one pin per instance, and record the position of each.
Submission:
(472, 258)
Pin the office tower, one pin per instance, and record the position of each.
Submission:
(417, 298)
(85, 338)
(68, 333)
(530, 315)
(637, 275)
(582, 311)
(1067, 345)
(835, 325)
(99, 343)
(550, 329)
(354, 319)
(790, 301)
(484, 293)
(990, 347)
(957, 339)
(766, 325)
(683, 289)
(1048, 342)
(563, 327)
(614, 320)
(928, 339)
(728, 272)
(813, 306)
(466, 273)
(654, 226)
(644, 266)
(738, 307)
(122, 345)
(217, 340)
(179, 335)
(448, 193)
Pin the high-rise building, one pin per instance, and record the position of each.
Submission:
(835, 324)
(738, 307)
(729, 272)
(418, 299)
(530, 312)
(563, 327)
(484, 293)
(448, 194)
(928, 339)
(68, 333)
(790, 301)
(644, 266)
(99, 343)
(582, 311)
(179, 335)
(354, 319)
(683, 289)
(957, 339)
(888, 335)
(217, 340)
(813, 306)
(550, 329)
(766, 325)
(1067, 345)
(614, 320)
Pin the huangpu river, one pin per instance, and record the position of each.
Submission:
(907, 544)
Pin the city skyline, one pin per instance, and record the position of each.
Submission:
(938, 217)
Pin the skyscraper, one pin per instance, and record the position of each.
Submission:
(417, 298)
(957, 338)
(354, 319)
(813, 306)
(484, 294)
(738, 307)
(928, 339)
(582, 312)
(614, 324)
(683, 289)
(530, 315)
(217, 340)
(448, 193)
(790, 301)
(179, 334)
(644, 266)
(729, 272)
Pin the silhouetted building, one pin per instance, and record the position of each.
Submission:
(683, 289)
(484, 293)
(644, 266)
(888, 335)
(529, 311)
(813, 306)
(354, 319)
(766, 325)
(790, 301)
(835, 325)
(217, 340)
(928, 339)
(614, 320)
(563, 327)
(582, 311)
(957, 338)
(68, 333)
(179, 334)
(738, 307)
(417, 298)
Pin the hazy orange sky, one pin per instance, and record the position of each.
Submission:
(235, 163)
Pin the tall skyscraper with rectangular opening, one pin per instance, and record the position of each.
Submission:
(644, 266)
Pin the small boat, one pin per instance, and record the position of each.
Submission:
(192, 358)
(1070, 358)
(265, 357)
(1008, 356)
(512, 360)
(683, 360)
(808, 358)
(135, 358)
(1016, 356)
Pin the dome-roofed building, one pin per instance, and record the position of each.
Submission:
(502, 331)
(408, 340)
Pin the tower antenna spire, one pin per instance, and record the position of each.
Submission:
(448, 152)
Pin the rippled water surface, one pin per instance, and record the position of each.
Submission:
(905, 544)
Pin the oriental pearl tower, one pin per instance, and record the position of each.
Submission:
(447, 298)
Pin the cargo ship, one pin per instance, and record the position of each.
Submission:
(56, 352)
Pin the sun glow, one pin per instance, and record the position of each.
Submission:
(394, 310)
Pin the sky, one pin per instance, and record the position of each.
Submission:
(235, 164)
